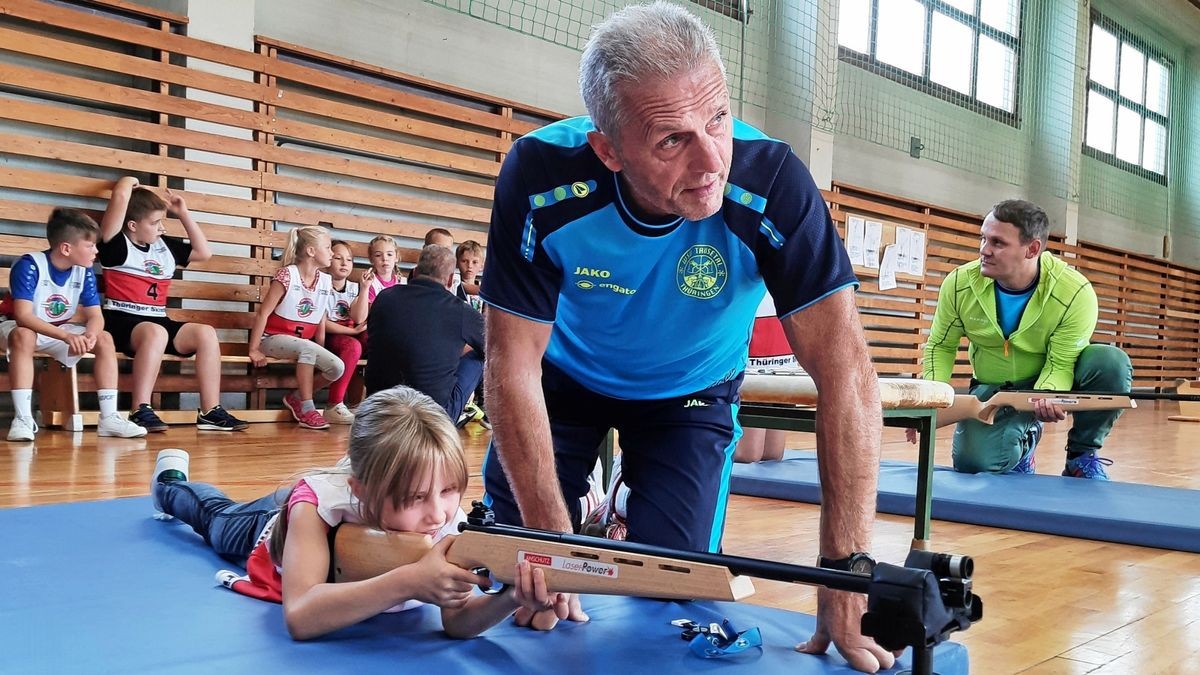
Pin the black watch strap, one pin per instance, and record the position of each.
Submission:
(855, 562)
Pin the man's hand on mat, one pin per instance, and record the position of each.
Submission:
(443, 583)
(1046, 411)
(564, 606)
(839, 615)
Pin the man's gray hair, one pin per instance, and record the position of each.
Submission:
(436, 262)
(638, 43)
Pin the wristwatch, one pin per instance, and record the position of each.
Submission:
(861, 563)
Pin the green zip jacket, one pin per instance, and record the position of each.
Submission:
(1057, 324)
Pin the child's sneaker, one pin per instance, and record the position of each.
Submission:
(172, 464)
(118, 427)
(218, 419)
(146, 418)
(312, 419)
(1087, 465)
(22, 429)
(339, 414)
(470, 413)
(294, 405)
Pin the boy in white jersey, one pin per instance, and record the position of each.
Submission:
(139, 263)
(51, 291)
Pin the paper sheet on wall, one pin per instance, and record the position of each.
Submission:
(903, 245)
(871, 241)
(855, 231)
(887, 270)
(917, 253)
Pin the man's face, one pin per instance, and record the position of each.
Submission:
(675, 147)
(469, 265)
(1002, 256)
(148, 229)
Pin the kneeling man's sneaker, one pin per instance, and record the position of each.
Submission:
(118, 427)
(1087, 465)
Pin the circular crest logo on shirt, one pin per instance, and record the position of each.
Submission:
(153, 267)
(306, 307)
(342, 310)
(580, 189)
(701, 272)
(55, 306)
(585, 284)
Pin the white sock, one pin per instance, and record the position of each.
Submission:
(108, 402)
(23, 402)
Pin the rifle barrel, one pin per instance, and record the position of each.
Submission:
(1136, 395)
(762, 569)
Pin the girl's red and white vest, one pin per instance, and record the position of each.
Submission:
(301, 310)
(53, 303)
(140, 284)
(769, 348)
(336, 504)
(340, 302)
(377, 286)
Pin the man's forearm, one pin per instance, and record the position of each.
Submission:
(517, 410)
(849, 428)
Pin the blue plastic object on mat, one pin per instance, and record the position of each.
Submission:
(101, 587)
(1126, 513)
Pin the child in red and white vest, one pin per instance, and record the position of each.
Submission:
(292, 321)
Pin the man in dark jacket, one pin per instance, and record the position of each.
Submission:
(424, 337)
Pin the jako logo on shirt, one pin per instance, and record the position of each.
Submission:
(55, 306)
(154, 267)
(342, 310)
(306, 307)
(592, 272)
(701, 272)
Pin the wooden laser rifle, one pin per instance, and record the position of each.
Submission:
(966, 406)
(917, 605)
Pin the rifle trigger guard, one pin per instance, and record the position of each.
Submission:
(496, 588)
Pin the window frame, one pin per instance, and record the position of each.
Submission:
(923, 83)
(1114, 94)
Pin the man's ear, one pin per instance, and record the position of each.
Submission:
(1034, 249)
(604, 148)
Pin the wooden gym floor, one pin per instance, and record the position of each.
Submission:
(1052, 604)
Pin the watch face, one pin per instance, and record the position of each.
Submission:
(861, 565)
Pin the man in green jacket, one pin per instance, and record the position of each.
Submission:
(1028, 317)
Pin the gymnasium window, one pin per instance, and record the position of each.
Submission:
(963, 51)
(1128, 102)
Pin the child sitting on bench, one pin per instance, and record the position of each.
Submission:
(50, 290)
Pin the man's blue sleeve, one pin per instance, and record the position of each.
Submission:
(800, 255)
(521, 279)
(23, 278)
(90, 297)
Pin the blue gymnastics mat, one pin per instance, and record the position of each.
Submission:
(1126, 513)
(100, 587)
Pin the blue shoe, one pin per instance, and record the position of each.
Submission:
(1087, 466)
(1028, 463)
(146, 418)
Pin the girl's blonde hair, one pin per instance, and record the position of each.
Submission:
(399, 440)
(300, 239)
